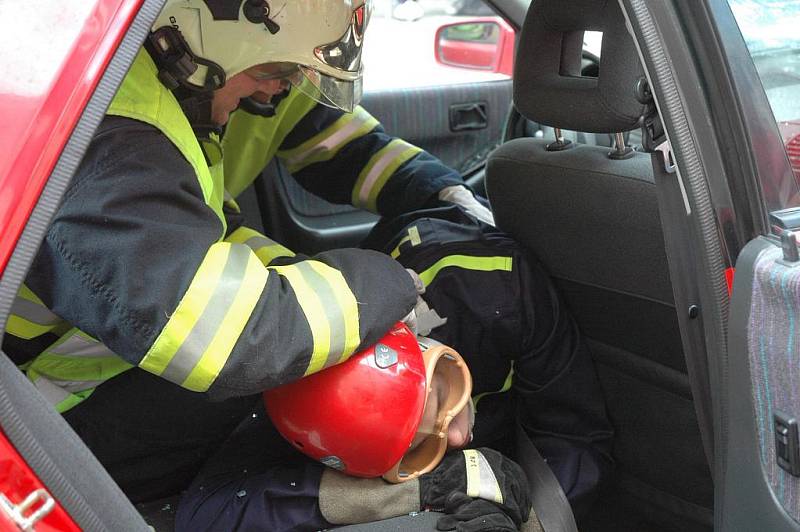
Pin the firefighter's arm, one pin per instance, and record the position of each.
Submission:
(133, 259)
(349, 158)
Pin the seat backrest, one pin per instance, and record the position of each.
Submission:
(593, 221)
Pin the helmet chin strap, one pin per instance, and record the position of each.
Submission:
(254, 107)
(197, 107)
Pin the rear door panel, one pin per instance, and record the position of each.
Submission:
(762, 381)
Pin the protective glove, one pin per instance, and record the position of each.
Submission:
(465, 514)
(411, 318)
(460, 195)
(422, 319)
(481, 474)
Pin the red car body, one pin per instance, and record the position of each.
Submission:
(41, 114)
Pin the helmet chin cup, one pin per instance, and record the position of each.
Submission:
(446, 365)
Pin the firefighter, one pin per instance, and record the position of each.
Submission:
(151, 317)
(391, 411)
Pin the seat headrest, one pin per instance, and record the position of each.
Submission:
(548, 86)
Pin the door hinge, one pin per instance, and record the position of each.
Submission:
(27, 513)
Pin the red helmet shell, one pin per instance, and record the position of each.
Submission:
(359, 416)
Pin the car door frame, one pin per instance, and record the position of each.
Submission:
(722, 134)
(41, 436)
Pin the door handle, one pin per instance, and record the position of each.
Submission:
(468, 116)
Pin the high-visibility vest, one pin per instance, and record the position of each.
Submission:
(199, 336)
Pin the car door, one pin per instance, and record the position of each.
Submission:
(445, 92)
(53, 95)
(726, 77)
(759, 479)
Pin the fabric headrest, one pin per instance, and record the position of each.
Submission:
(548, 86)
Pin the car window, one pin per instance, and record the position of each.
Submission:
(418, 43)
(771, 29)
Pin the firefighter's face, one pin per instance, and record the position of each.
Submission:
(243, 85)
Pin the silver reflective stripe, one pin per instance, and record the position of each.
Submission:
(376, 171)
(50, 391)
(330, 143)
(257, 242)
(79, 346)
(205, 328)
(33, 312)
(333, 311)
(481, 481)
(75, 386)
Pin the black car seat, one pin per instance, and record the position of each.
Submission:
(593, 221)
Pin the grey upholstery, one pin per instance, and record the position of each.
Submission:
(594, 224)
(548, 86)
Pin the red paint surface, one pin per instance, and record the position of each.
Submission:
(498, 57)
(729, 274)
(39, 121)
(16, 482)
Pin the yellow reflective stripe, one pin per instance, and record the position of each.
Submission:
(200, 335)
(506, 386)
(250, 141)
(77, 345)
(26, 293)
(73, 400)
(22, 328)
(35, 313)
(327, 143)
(379, 169)
(59, 398)
(330, 308)
(54, 394)
(29, 316)
(73, 370)
(468, 263)
(68, 371)
(214, 358)
(265, 248)
(143, 97)
(481, 480)
(229, 202)
(413, 237)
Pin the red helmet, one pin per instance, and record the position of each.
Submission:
(361, 416)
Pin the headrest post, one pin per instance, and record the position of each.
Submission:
(561, 143)
(620, 150)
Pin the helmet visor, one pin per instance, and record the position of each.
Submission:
(327, 90)
(449, 386)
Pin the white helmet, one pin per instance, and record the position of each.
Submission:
(201, 43)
